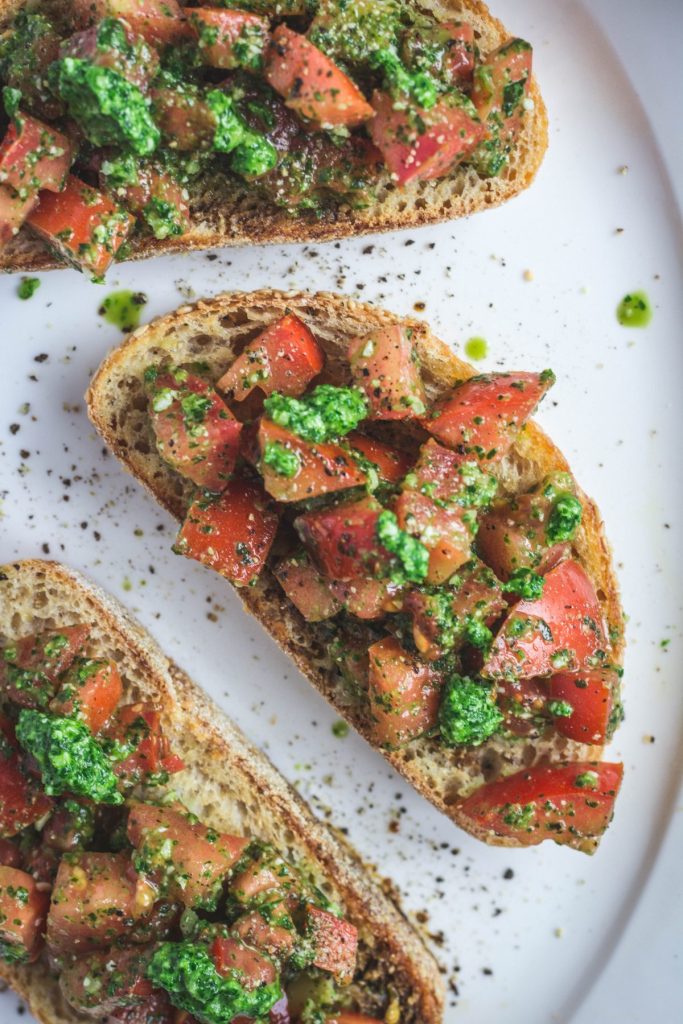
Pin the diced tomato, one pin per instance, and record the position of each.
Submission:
(445, 50)
(162, 202)
(391, 463)
(71, 826)
(590, 695)
(220, 30)
(384, 366)
(233, 958)
(13, 213)
(161, 22)
(513, 535)
(183, 116)
(285, 357)
(182, 857)
(266, 880)
(196, 432)
(23, 910)
(26, 64)
(33, 156)
(366, 597)
(403, 694)
(106, 981)
(502, 81)
(311, 83)
(437, 472)
(135, 60)
(308, 591)
(440, 528)
(343, 539)
(564, 629)
(523, 703)
(10, 854)
(91, 691)
(95, 901)
(570, 803)
(86, 227)
(265, 935)
(482, 416)
(418, 145)
(139, 725)
(459, 56)
(33, 664)
(322, 468)
(231, 534)
(335, 942)
(22, 802)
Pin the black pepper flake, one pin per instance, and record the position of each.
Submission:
(24, 453)
(487, 971)
(508, 874)
(14, 428)
(41, 358)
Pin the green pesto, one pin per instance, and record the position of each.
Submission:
(163, 218)
(468, 714)
(564, 519)
(634, 310)
(478, 488)
(587, 780)
(11, 954)
(327, 414)
(186, 972)
(282, 460)
(28, 286)
(560, 709)
(107, 107)
(476, 348)
(123, 308)
(340, 729)
(412, 556)
(518, 816)
(252, 154)
(526, 583)
(69, 758)
(400, 82)
(492, 154)
(354, 31)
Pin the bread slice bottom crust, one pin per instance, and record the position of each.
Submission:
(214, 331)
(229, 784)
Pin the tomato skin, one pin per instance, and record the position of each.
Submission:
(459, 59)
(577, 815)
(41, 658)
(23, 910)
(33, 156)
(403, 694)
(308, 591)
(569, 609)
(91, 691)
(256, 931)
(121, 977)
(94, 902)
(22, 802)
(511, 62)
(312, 84)
(196, 432)
(138, 70)
(13, 213)
(590, 695)
(335, 942)
(513, 536)
(160, 22)
(482, 416)
(72, 222)
(231, 534)
(323, 468)
(152, 754)
(183, 117)
(285, 357)
(231, 955)
(391, 463)
(418, 145)
(442, 530)
(343, 539)
(384, 367)
(366, 597)
(229, 26)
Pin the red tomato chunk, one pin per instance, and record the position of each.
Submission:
(22, 802)
(384, 366)
(343, 539)
(590, 696)
(106, 981)
(318, 468)
(233, 958)
(335, 942)
(285, 357)
(33, 156)
(308, 591)
(391, 463)
(159, 21)
(32, 665)
(219, 30)
(91, 691)
(23, 910)
(403, 694)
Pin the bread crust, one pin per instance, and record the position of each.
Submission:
(213, 331)
(230, 784)
(223, 216)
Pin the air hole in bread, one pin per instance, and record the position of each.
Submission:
(491, 764)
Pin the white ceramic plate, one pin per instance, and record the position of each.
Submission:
(563, 939)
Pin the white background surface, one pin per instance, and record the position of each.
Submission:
(567, 939)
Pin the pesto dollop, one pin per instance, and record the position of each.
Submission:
(526, 583)
(327, 414)
(468, 714)
(634, 310)
(411, 555)
(282, 460)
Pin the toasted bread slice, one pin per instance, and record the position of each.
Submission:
(226, 215)
(214, 331)
(230, 785)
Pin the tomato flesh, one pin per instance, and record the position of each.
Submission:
(13, 213)
(232, 958)
(193, 869)
(441, 529)
(384, 367)
(352, 1018)
(231, 534)
(160, 22)
(590, 695)
(312, 84)
(91, 691)
(343, 539)
(335, 942)
(23, 910)
(86, 227)
(366, 597)
(403, 694)
(513, 536)
(138, 66)
(141, 723)
(569, 803)
(33, 156)
(285, 357)
(21, 802)
(272, 939)
(184, 118)
(482, 416)
(391, 463)
(308, 591)
(107, 981)
(564, 629)
(219, 30)
(510, 64)
(418, 145)
(195, 431)
(33, 664)
(323, 468)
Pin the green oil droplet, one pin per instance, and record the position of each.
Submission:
(340, 729)
(634, 310)
(476, 348)
(123, 309)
